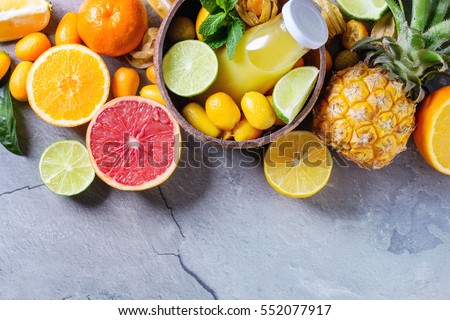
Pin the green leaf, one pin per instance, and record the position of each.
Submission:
(420, 12)
(439, 9)
(235, 33)
(397, 51)
(210, 6)
(437, 35)
(398, 14)
(405, 7)
(226, 5)
(414, 40)
(360, 44)
(446, 58)
(212, 24)
(217, 39)
(427, 58)
(8, 135)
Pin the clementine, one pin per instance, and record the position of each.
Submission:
(112, 27)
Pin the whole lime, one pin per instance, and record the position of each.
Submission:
(180, 29)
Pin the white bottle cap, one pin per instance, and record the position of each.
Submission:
(305, 23)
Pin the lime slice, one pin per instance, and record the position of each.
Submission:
(189, 68)
(65, 168)
(363, 9)
(292, 91)
(298, 165)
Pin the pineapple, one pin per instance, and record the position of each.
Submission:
(367, 113)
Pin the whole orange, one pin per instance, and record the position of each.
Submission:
(112, 27)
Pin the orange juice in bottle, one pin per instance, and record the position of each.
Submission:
(268, 51)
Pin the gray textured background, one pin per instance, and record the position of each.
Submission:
(221, 232)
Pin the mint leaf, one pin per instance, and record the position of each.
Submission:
(223, 26)
(227, 5)
(210, 5)
(212, 24)
(235, 32)
(217, 39)
(234, 15)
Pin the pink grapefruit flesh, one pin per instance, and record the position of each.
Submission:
(134, 143)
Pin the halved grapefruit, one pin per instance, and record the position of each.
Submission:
(133, 143)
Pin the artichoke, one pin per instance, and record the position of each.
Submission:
(255, 12)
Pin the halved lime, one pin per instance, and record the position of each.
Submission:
(292, 91)
(189, 68)
(65, 167)
(363, 9)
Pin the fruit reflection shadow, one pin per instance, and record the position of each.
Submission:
(189, 182)
(98, 192)
(199, 165)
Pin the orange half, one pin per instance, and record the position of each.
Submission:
(67, 84)
(432, 135)
(19, 18)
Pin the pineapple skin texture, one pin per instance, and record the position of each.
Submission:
(365, 116)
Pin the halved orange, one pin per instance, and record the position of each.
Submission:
(19, 18)
(432, 134)
(67, 84)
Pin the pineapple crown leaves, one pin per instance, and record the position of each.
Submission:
(422, 48)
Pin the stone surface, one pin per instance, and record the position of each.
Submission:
(216, 230)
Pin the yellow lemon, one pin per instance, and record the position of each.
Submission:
(245, 131)
(195, 114)
(151, 91)
(298, 165)
(258, 110)
(202, 15)
(222, 111)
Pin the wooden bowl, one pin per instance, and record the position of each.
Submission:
(190, 8)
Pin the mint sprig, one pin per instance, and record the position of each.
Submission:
(223, 26)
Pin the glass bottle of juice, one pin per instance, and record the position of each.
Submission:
(268, 51)
(160, 6)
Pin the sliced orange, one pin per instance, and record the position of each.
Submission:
(432, 134)
(67, 84)
(19, 18)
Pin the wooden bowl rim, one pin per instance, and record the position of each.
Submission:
(254, 143)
